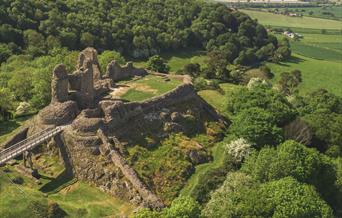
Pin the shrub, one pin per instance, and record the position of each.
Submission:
(257, 126)
(158, 64)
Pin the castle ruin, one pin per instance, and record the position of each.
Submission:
(97, 125)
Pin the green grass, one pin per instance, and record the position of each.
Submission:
(177, 60)
(78, 200)
(318, 11)
(319, 46)
(219, 100)
(316, 73)
(218, 155)
(91, 201)
(147, 87)
(11, 127)
(271, 19)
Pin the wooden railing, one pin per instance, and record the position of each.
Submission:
(29, 143)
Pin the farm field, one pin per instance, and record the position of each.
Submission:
(319, 46)
(144, 88)
(328, 12)
(316, 73)
(317, 55)
(271, 19)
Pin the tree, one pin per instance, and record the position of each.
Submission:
(5, 52)
(6, 103)
(183, 206)
(222, 203)
(217, 65)
(257, 126)
(158, 64)
(87, 39)
(240, 196)
(21, 85)
(289, 82)
(107, 56)
(288, 159)
(262, 97)
(193, 70)
(35, 42)
(282, 53)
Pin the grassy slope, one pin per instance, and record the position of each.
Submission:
(11, 127)
(216, 99)
(316, 73)
(219, 102)
(286, 21)
(78, 197)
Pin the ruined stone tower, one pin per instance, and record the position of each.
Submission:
(59, 84)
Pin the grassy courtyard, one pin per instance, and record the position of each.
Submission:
(144, 88)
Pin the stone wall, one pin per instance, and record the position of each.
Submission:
(150, 199)
(118, 112)
(116, 72)
(90, 166)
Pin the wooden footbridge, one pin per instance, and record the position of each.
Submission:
(29, 143)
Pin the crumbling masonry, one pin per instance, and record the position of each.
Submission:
(93, 148)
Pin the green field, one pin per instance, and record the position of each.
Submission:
(271, 19)
(319, 46)
(316, 73)
(317, 55)
(328, 12)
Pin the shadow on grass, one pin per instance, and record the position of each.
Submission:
(8, 126)
(292, 60)
(59, 182)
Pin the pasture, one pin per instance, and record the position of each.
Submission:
(333, 12)
(316, 73)
(319, 46)
(271, 19)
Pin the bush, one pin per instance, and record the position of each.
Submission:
(18, 180)
(157, 64)
(257, 126)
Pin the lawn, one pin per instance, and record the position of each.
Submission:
(316, 73)
(145, 88)
(271, 19)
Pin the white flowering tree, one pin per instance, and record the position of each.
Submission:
(238, 149)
